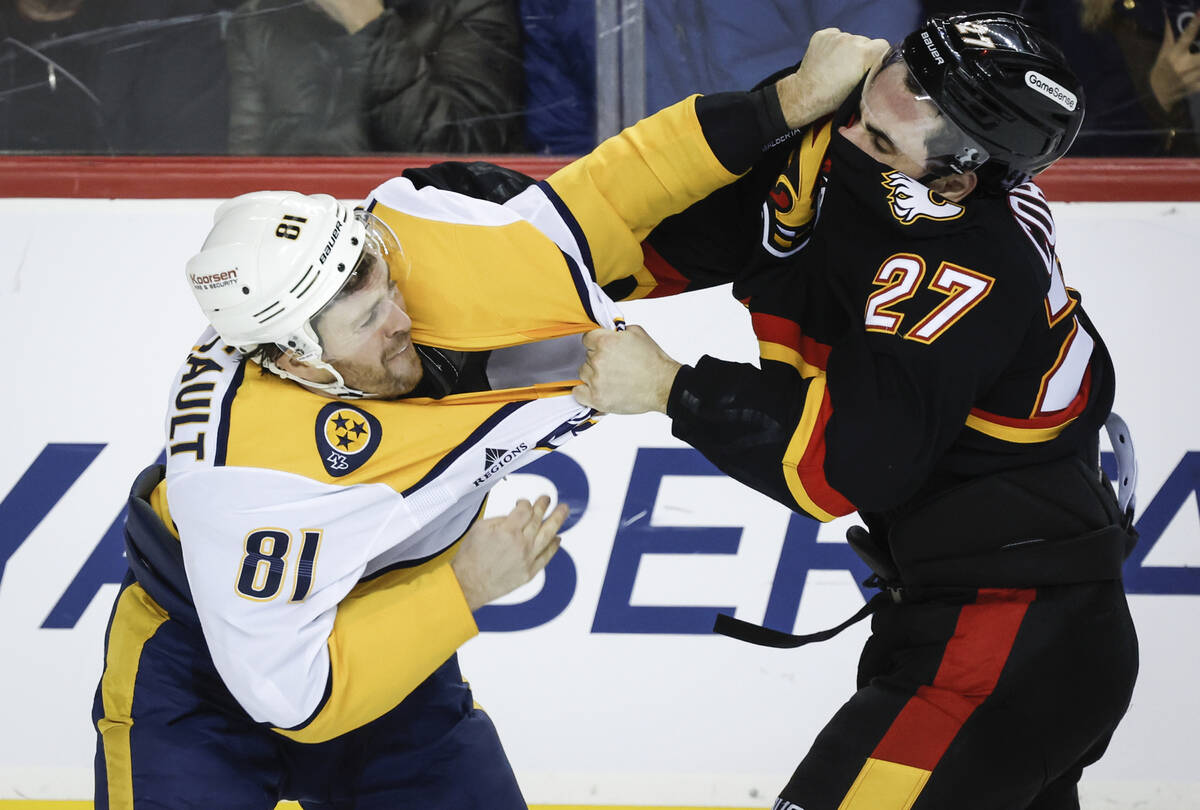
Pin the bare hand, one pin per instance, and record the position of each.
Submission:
(500, 554)
(1176, 71)
(352, 14)
(625, 372)
(833, 65)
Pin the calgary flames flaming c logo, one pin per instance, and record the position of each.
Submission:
(910, 200)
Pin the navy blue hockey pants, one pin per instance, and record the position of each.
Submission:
(170, 735)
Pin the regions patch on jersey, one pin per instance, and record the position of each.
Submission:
(346, 437)
(497, 458)
(910, 200)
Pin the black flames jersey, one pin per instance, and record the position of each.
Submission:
(907, 342)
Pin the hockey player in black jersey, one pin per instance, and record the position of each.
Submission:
(924, 364)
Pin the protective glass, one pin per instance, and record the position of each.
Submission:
(937, 143)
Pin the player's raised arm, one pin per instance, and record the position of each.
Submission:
(668, 161)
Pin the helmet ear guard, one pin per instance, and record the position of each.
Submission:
(1005, 85)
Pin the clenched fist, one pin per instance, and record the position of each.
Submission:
(625, 372)
(833, 65)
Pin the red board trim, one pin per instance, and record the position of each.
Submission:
(1071, 180)
(222, 177)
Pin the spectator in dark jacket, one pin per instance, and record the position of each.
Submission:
(112, 76)
(350, 76)
(560, 75)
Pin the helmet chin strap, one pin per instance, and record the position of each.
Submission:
(337, 388)
(305, 345)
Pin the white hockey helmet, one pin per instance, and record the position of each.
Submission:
(270, 262)
(273, 260)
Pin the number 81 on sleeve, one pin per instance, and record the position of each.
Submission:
(265, 563)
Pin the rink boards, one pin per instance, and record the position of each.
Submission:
(602, 676)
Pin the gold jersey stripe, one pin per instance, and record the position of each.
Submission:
(785, 354)
(158, 502)
(503, 395)
(883, 785)
(799, 444)
(1016, 435)
(136, 620)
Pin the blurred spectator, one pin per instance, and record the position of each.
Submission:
(112, 76)
(349, 76)
(1162, 113)
(1026, 8)
(1141, 76)
(560, 75)
(706, 46)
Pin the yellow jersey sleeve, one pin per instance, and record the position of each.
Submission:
(634, 180)
(390, 633)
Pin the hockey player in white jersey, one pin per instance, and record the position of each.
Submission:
(305, 567)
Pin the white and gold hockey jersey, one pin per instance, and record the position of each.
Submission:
(315, 531)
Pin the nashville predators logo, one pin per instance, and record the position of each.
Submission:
(348, 431)
(910, 200)
(346, 437)
(791, 205)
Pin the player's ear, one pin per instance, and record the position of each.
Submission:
(292, 365)
(955, 187)
(288, 362)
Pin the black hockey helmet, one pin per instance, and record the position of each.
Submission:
(1005, 84)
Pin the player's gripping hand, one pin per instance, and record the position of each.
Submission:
(833, 65)
(498, 555)
(625, 372)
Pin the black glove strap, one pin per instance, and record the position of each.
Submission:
(766, 637)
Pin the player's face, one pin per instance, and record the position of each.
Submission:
(365, 336)
(892, 125)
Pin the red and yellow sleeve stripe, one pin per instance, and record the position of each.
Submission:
(1034, 429)
(780, 339)
(804, 459)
